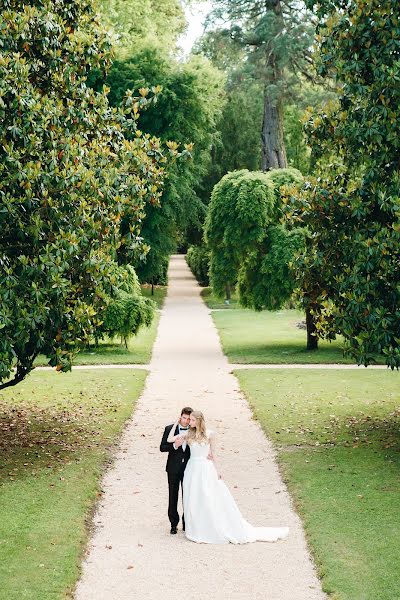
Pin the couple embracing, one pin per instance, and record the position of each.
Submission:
(211, 515)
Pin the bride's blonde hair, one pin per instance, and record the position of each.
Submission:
(198, 433)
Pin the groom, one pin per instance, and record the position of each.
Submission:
(178, 456)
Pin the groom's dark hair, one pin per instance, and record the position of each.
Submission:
(186, 411)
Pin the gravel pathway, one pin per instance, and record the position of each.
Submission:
(132, 555)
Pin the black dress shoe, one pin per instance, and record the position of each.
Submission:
(174, 530)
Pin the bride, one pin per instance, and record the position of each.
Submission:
(211, 513)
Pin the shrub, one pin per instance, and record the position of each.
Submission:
(198, 259)
(127, 310)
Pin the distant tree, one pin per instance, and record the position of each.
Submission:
(249, 247)
(187, 111)
(138, 22)
(198, 259)
(277, 36)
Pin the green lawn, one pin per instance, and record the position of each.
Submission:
(217, 303)
(57, 431)
(337, 436)
(113, 352)
(160, 291)
(271, 337)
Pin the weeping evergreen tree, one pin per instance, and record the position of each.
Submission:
(241, 206)
(249, 246)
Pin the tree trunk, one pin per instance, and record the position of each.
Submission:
(273, 145)
(20, 374)
(227, 293)
(312, 339)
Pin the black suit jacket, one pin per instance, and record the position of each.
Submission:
(177, 459)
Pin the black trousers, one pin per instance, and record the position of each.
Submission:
(174, 481)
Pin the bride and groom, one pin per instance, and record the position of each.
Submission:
(211, 515)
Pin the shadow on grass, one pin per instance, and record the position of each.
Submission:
(380, 433)
(35, 438)
(109, 347)
(218, 303)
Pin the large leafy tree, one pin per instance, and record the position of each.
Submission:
(277, 36)
(187, 111)
(265, 279)
(75, 177)
(350, 270)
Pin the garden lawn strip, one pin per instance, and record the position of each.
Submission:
(58, 434)
(271, 338)
(338, 441)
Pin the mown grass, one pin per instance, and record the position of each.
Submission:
(272, 338)
(111, 351)
(57, 433)
(337, 436)
(217, 303)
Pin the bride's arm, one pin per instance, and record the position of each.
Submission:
(172, 437)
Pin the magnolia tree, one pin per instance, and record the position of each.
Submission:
(75, 177)
(349, 272)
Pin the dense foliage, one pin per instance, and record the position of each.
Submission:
(349, 272)
(135, 22)
(248, 244)
(265, 280)
(187, 110)
(127, 310)
(198, 259)
(75, 177)
(242, 205)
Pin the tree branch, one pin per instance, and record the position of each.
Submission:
(20, 374)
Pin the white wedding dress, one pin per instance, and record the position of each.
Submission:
(211, 513)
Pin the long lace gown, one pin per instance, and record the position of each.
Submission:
(211, 513)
